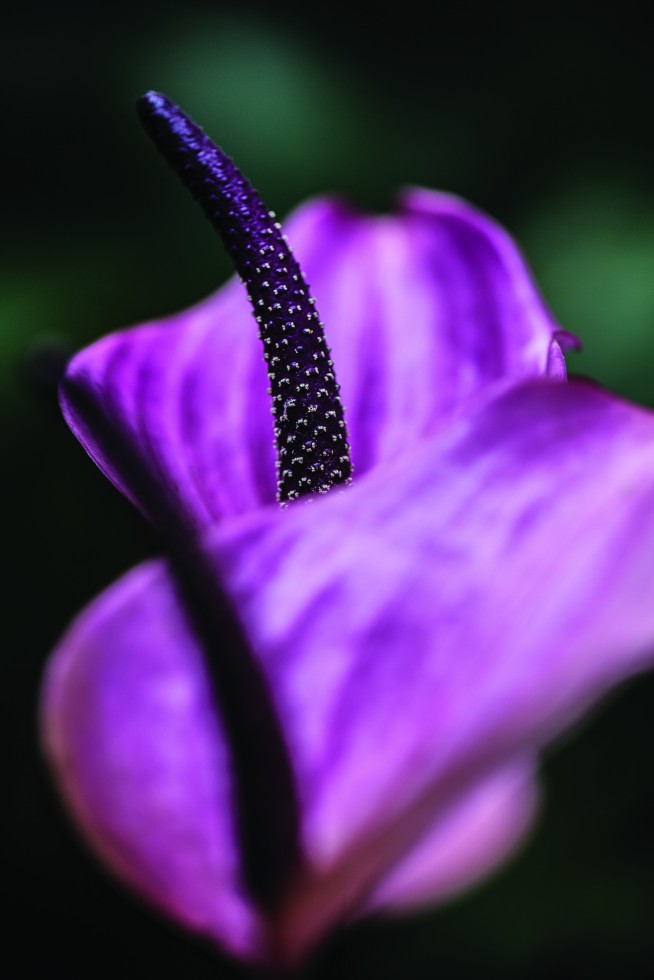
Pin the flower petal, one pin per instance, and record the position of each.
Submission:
(184, 401)
(131, 732)
(420, 633)
(141, 759)
(479, 834)
(422, 310)
(430, 307)
(442, 615)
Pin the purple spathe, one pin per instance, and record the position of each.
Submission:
(397, 632)
(421, 635)
(424, 309)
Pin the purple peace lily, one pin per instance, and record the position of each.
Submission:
(307, 713)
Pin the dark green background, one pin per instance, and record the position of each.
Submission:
(540, 114)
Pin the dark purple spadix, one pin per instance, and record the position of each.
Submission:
(310, 434)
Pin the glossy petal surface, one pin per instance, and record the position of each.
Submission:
(131, 730)
(468, 843)
(463, 606)
(423, 310)
(140, 756)
(458, 609)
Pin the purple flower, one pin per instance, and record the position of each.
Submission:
(305, 714)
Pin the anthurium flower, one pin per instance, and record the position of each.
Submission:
(308, 712)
